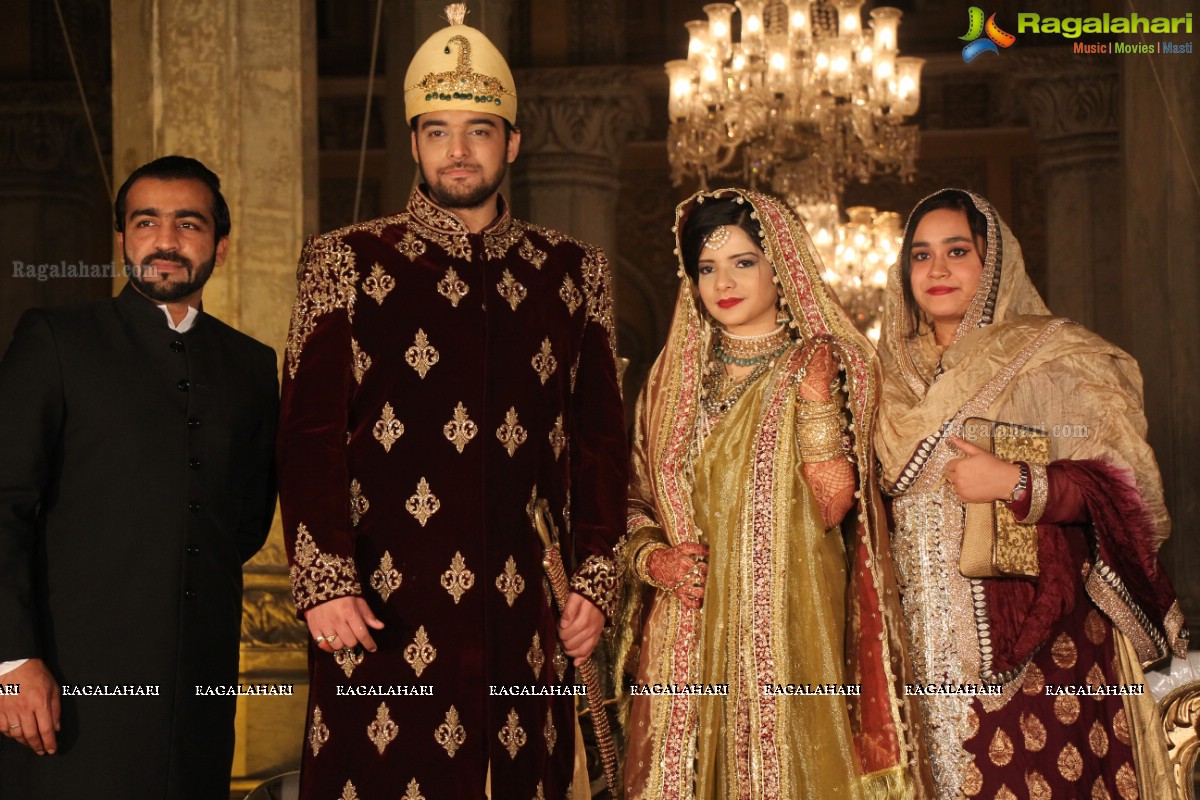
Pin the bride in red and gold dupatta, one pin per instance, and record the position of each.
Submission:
(1083, 600)
(758, 556)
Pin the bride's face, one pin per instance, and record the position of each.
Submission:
(735, 283)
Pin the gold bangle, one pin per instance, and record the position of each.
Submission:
(641, 564)
(820, 439)
(812, 411)
(1039, 494)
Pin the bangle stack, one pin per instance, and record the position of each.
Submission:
(641, 564)
(820, 431)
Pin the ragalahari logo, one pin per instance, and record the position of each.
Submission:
(996, 38)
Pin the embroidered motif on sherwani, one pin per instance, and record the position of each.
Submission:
(464, 416)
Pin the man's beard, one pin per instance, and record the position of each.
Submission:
(162, 290)
(454, 196)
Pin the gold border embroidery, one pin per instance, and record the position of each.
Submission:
(327, 281)
(359, 361)
(599, 579)
(316, 576)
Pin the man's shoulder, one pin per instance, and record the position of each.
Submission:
(372, 226)
(561, 242)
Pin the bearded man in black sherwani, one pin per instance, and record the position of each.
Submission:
(135, 480)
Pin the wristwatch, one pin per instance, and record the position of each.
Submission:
(1022, 483)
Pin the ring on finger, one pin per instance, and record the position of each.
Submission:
(320, 639)
(331, 638)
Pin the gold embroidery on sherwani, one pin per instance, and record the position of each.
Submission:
(413, 792)
(510, 290)
(1063, 651)
(972, 783)
(597, 289)
(360, 361)
(327, 282)
(1121, 726)
(1098, 739)
(498, 242)
(458, 579)
(420, 653)
(1095, 677)
(318, 732)
(511, 434)
(382, 731)
(570, 295)
(550, 732)
(1066, 708)
(510, 583)
(1039, 789)
(512, 735)
(386, 579)
(461, 429)
(452, 288)
(358, 503)
(347, 658)
(387, 428)
(541, 792)
(410, 246)
(450, 734)
(1127, 782)
(972, 726)
(535, 657)
(529, 253)
(1070, 763)
(558, 439)
(544, 363)
(378, 284)
(1099, 790)
(1094, 627)
(1033, 731)
(316, 576)
(421, 356)
(599, 580)
(424, 504)
(349, 792)
(458, 246)
(1000, 751)
(560, 662)
(1004, 793)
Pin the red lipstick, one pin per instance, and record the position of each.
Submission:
(729, 302)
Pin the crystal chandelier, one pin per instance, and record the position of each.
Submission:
(857, 254)
(806, 97)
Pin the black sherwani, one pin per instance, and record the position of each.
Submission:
(135, 479)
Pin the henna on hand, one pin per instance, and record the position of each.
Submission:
(681, 570)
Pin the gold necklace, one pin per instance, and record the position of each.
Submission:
(746, 351)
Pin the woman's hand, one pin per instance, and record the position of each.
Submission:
(980, 477)
(683, 569)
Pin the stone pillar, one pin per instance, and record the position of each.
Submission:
(233, 83)
(1160, 161)
(574, 126)
(1072, 106)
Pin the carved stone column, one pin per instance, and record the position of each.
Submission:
(233, 83)
(1072, 106)
(574, 126)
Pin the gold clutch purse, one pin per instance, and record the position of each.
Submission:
(994, 544)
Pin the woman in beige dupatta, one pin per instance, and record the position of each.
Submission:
(740, 571)
(1073, 520)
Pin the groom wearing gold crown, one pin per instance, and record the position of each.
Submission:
(447, 367)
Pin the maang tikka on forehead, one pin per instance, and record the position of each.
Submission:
(717, 238)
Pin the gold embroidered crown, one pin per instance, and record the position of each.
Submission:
(458, 68)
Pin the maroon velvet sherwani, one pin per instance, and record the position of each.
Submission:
(437, 382)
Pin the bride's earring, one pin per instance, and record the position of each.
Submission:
(782, 317)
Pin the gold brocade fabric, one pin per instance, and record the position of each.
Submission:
(807, 637)
(786, 602)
